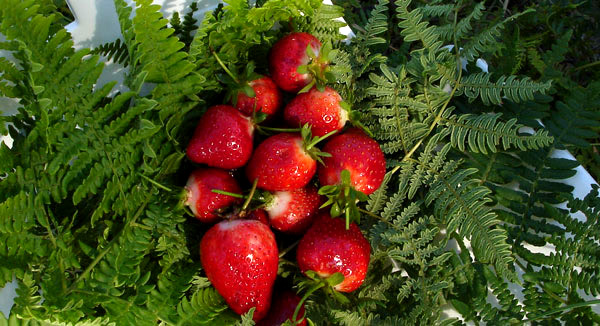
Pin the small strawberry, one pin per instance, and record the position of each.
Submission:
(285, 161)
(240, 258)
(250, 92)
(205, 203)
(258, 215)
(292, 211)
(267, 97)
(328, 248)
(360, 155)
(282, 309)
(298, 61)
(223, 138)
(323, 110)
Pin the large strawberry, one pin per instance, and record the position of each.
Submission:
(323, 110)
(292, 211)
(360, 155)
(285, 161)
(223, 138)
(282, 309)
(298, 61)
(240, 258)
(205, 203)
(328, 248)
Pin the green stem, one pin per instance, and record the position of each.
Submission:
(227, 193)
(306, 295)
(317, 139)
(156, 183)
(250, 195)
(286, 250)
(563, 308)
(280, 129)
(235, 79)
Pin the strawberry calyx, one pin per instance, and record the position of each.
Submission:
(343, 198)
(263, 197)
(235, 82)
(354, 118)
(318, 67)
(314, 282)
(310, 142)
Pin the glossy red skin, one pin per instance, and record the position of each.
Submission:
(202, 201)
(321, 110)
(240, 258)
(282, 308)
(267, 97)
(258, 215)
(293, 211)
(287, 55)
(280, 163)
(328, 248)
(222, 139)
(358, 153)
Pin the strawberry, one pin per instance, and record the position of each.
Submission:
(323, 110)
(360, 155)
(223, 138)
(240, 258)
(267, 97)
(259, 215)
(203, 202)
(295, 63)
(328, 248)
(285, 161)
(282, 309)
(292, 211)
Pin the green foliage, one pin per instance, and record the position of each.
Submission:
(87, 221)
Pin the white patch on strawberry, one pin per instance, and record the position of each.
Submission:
(343, 117)
(226, 225)
(280, 204)
(193, 194)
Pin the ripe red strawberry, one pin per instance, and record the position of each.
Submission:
(282, 309)
(323, 110)
(292, 211)
(240, 258)
(202, 201)
(267, 97)
(223, 138)
(281, 162)
(288, 54)
(360, 155)
(258, 215)
(328, 248)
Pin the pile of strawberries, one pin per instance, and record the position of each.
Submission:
(239, 254)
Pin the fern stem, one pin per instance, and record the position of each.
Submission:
(563, 308)
(589, 65)
(156, 183)
(101, 255)
(438, 117)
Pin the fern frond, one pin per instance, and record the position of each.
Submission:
(484, 132)
(116, 51)
(415, 29)
(486, 40)
(511, 88)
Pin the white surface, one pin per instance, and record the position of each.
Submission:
(97, 23)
